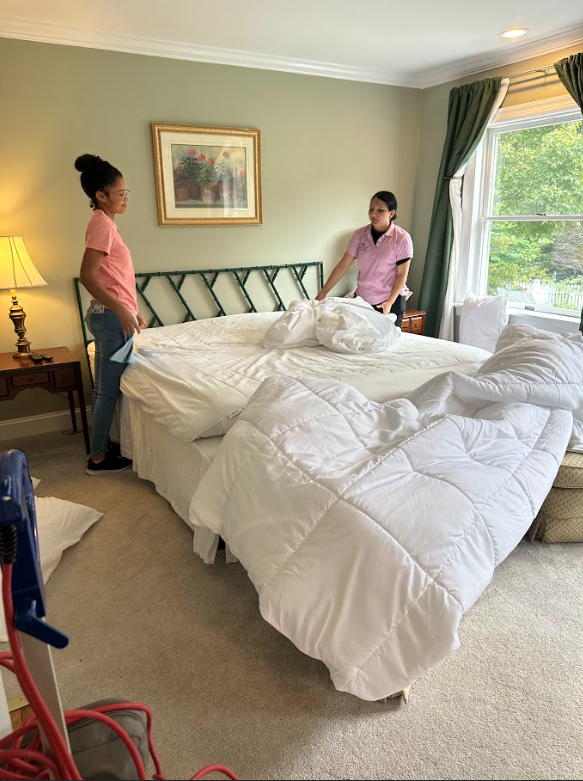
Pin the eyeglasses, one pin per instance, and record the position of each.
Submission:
(121, 193)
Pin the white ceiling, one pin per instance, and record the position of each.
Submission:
(415, 43)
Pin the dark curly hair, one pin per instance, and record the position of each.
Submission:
(96, 175)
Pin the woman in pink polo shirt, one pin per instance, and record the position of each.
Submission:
(383, 252)
(107, 272)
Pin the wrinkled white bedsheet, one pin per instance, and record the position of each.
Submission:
(369, 530)
(195, 378)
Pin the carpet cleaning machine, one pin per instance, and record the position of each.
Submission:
(109, 739)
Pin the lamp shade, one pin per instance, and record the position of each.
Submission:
(16, 267)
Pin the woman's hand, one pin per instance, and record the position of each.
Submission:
(141, 322)
(386, 306)
(338, 272)
(129, 322)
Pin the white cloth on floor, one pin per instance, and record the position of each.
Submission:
(60, 524)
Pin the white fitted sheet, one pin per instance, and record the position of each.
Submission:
(195, 377)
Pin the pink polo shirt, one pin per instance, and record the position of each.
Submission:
(116, 270)
(377, 264)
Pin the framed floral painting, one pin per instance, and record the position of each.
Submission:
(207, 175)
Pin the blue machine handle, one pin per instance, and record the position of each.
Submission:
(17, 510)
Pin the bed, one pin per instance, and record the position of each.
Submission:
(190, 379)
(369, 497)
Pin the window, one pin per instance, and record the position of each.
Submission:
(530, 219)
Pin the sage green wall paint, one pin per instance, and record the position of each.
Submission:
(327, 146)
(433, 126)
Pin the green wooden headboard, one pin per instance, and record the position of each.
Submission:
(273, 284)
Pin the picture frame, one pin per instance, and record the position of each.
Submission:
(207, 175)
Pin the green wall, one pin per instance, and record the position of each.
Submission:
(433, 128)
(327, 145)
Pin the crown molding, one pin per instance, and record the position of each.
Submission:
(45, 32)
(572, 36)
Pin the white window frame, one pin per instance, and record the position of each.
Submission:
(479, 191)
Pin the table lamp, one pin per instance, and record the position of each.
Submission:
(17, 270)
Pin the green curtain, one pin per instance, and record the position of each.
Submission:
(468, 113)
(570, 71)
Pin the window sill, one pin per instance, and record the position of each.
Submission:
(573, 319)
(545, 320)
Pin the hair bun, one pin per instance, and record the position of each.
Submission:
(85, 162)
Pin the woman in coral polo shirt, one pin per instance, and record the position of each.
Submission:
(107, 272)
(383, 252)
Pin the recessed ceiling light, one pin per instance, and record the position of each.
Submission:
(515, 32)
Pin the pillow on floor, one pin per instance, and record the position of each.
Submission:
(60, 524)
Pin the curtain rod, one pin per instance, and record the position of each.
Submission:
(543, 69)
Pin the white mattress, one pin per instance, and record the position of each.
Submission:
(194, 378)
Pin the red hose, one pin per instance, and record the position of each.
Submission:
(32, 762)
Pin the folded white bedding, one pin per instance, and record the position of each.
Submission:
(196, 377)
(369, 530)
(345, 325)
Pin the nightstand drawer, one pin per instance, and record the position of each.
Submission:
(64, 378)
(406, 325)
(30, 380)
(416, 325)
(3, 387)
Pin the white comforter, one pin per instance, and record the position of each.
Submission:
(368, 530)
(194, 378)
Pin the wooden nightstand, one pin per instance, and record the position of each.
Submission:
(414, 321)
(61, 375)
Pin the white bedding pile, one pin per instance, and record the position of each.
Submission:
(345, 325)
(195, 378)
(368, 530)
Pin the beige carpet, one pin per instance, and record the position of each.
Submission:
(149, 621)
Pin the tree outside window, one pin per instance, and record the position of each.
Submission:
(534, 216)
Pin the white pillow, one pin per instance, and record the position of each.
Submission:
(60, 524)
(516, 334)
(482, 319)
(516, 331)
(542, 368)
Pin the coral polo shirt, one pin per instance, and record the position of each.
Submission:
(377, 263)
(116, 270)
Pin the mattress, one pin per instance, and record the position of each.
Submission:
(195, 378)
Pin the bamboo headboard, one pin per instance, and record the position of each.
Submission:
(197, 293)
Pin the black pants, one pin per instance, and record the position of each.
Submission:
(398, 309)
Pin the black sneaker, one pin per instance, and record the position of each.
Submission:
(109, 464)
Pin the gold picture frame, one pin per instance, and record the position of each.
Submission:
(207, 175)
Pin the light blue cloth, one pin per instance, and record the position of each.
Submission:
(125, 354)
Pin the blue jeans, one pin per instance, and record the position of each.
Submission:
(109, 338)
